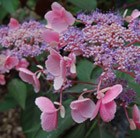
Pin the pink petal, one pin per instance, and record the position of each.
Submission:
(50, 36)
(26, 75)
(45, 104)
(11, 62)
(36, 84)
(128, 19)
(85, 107)
(132, 124)
(107, 111)
(112, 93)
(136, 113)
(56, 7)
(135, 14)
(29, 77)
(72, 64)
(69, 18)
(73, 69)
(59, 26)
(58, 82)
(13, 23)
(49, 121)
(137, 124)
(63, 68)
(96, 110)
(53, 63)
(77, 117)
(2, 79)
(23, 63)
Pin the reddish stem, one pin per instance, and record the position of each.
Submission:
(131, 43)
(35, 61)
(131, 4)
(82, 82)
(129, 73)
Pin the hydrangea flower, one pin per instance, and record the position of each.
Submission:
(7, 62)
(106, 104)
(49, 115)
(59, 19)
(134, 15)
(13, 23)
(29, 77)
(58, 66)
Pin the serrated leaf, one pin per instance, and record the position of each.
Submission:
(85, 4)
(17, 89)
(84, 70)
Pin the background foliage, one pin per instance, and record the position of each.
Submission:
(22, 95)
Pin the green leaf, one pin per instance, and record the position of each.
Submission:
(30, 117)
(79, 88)
(76, 132)
(17, 89)
(3, 13)
(84, 70)
(96, 73)
(87, 5)
(100, 132)
(10, 5)
(131, 82)
(7, 104)
(134, 134)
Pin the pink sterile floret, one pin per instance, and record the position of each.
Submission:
(58, 66)
(11, 62)
(106, 104)
(7, 62)
(82, 109)
(29, 77)
(49, 116)
(59, 19)
(135, 14)
(13, 23)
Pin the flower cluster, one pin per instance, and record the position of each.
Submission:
(23, 40)
(102, 38)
